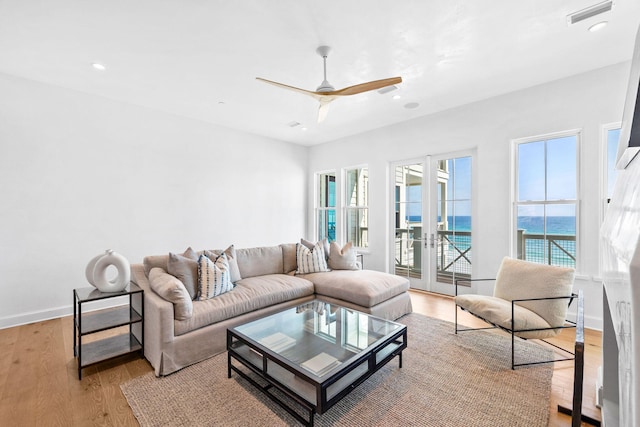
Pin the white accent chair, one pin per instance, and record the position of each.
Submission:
(529, 301)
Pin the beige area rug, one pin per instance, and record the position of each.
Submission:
(446, 380)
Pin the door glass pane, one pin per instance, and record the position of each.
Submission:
(408, 221)
(453, 251)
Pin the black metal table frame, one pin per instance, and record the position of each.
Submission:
(321, 388)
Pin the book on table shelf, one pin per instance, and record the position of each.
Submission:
(321, 363)
(278, 342)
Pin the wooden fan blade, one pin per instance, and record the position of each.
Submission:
(293, 88)
(366, 87)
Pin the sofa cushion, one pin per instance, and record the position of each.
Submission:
(289, 262)
(171, 289)
(342, 258)
(249, 294)
(498, 312)
(155, 261)
(363, 287)
(232, 257)
(214, 277)
(310, 260)
(185, 268)
(260, 261)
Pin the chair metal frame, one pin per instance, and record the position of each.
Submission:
(513, 332)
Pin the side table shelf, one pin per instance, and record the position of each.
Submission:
(86, 323)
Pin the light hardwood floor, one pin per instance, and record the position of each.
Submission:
(39, 381)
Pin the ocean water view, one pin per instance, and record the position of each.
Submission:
(558, 247)
(556, 225)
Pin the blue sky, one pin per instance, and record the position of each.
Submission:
(547, 171)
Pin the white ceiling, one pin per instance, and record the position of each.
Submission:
(199, 58)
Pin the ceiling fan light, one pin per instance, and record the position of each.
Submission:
(387, 89)
(598, 26)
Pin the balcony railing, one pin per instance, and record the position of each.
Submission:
(453, 254)
(552, 249)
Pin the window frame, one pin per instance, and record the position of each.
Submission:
(326, 209)
(346, 207)
(515, 203)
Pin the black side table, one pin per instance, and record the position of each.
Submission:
(85, 323)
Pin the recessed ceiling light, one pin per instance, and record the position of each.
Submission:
(98, 66)
(303, 128)
(396, 97)
(598, 26)
(411, 105)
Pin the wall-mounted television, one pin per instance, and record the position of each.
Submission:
(629, 144)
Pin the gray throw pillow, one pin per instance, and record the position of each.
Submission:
(230, 252)
(185, 268)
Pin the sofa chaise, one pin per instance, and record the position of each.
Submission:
(179, 332)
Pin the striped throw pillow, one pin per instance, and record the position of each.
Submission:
(214, 277)
(310, 260)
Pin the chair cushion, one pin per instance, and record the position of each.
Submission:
(498, 312)
(365, 288)
(519, 279)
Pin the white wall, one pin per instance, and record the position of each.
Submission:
(80, 174)
(585, 102)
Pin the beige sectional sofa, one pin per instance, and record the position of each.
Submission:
(268, 284)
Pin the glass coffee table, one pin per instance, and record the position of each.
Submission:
(314, 354)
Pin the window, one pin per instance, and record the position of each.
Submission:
(356, 206)
(326, 207)
(546, 200)
(612, 135)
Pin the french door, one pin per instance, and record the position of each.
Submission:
(432, 221)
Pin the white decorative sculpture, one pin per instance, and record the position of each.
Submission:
(96, 272)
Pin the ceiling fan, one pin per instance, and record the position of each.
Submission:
(325, 93)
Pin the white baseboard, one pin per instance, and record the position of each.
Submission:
(590, 322)
(54, 313)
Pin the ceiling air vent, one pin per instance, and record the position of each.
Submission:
(590, 12)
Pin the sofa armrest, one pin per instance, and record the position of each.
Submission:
(158, 316)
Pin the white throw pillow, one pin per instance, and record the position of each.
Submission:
(324, 243)
(214, 277)
(342, 259)
(310, 261)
